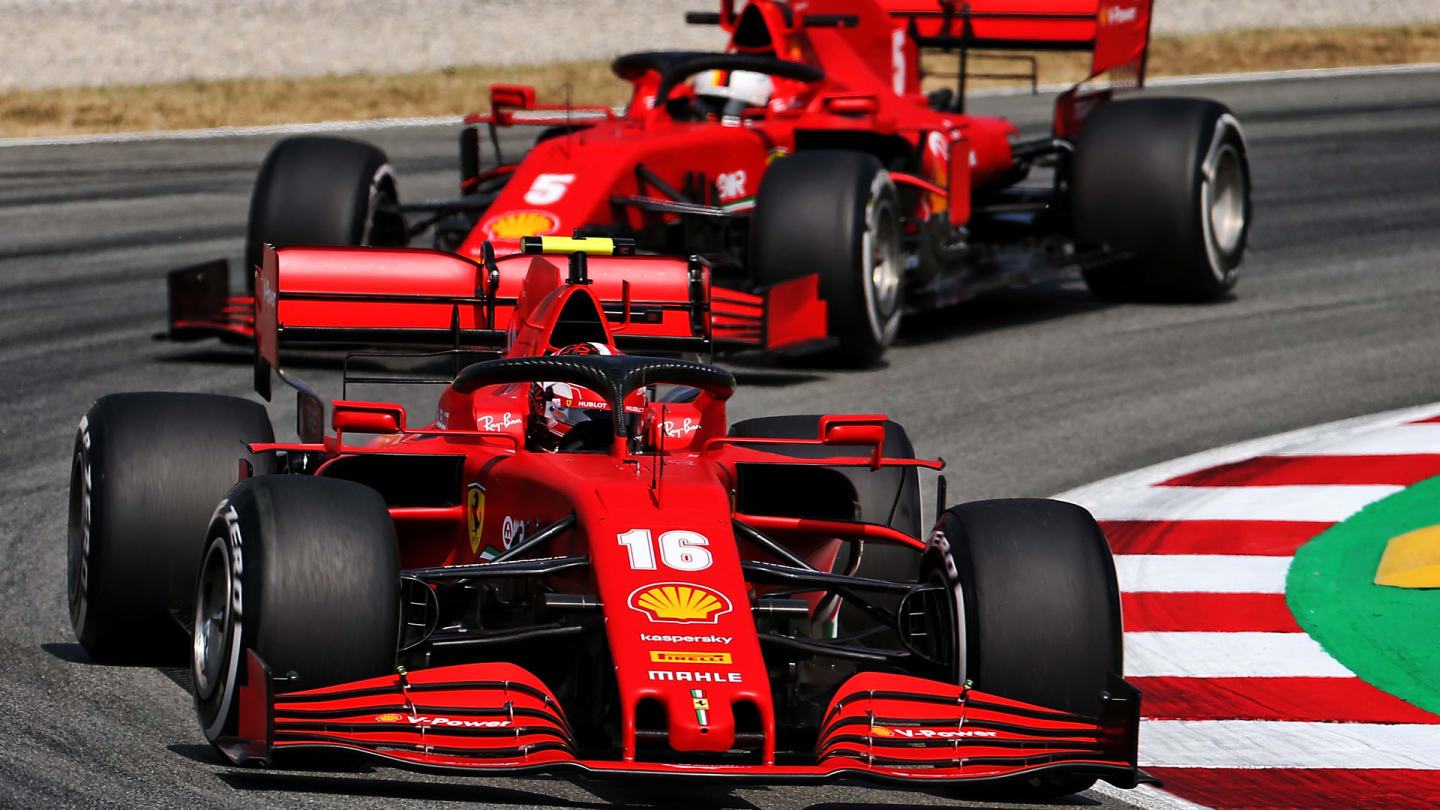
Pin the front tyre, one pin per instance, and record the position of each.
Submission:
(317, 190)
(305, 572)
(146, 474)
(1036, 603)
(1166, 181)
(835, 213)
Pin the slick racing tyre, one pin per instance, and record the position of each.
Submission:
(1037, 604)
(1166, 180)
(147, 472)
(835, 213)
(304, 572)
(316, 190)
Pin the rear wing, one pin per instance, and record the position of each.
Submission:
(427, 299)
(1115, 32)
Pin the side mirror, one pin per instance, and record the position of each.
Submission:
(367, 417)
(852, 105)
(507, 97)
(865, 431)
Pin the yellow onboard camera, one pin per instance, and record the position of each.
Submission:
(590, 245)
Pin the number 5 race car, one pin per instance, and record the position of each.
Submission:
(808, 147)
(578, 565)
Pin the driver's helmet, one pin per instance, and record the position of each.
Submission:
(732, 91)
(560, 407)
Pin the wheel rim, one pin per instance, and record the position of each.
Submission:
(1225, 194)
(884, 262)
(883, 268)
(78, 540)
(214, 621)
(382, 228)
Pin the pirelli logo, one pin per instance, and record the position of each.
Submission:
(674, 657)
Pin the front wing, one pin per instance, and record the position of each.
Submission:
(497, 717)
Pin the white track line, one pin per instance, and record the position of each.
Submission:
(1308, 502)
(1267, 744)
(1146, 797)
(1383, 441)
(1200, 573)
(391, 123)
(1104, 489)
(1228, 655)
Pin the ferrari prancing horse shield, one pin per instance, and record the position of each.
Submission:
(475, 514)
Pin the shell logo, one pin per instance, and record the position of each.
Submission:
(881, 731)
(680, 602)
(521, 223)
(387, 718)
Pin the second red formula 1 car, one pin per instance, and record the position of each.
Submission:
(807, 146)
(580, 565)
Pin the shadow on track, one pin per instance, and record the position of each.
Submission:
(1001, 309)
(610, 794)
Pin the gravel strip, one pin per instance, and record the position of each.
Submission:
(63, 43)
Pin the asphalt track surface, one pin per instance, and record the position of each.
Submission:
(1024, 393)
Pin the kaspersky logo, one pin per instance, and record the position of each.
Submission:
(433, 722)
(680, 602)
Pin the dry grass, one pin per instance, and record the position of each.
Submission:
(251, 102)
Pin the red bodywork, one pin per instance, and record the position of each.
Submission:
(685, 184)
(868, 51)
(653, 549)
(416, 296)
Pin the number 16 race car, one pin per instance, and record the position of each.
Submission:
(808, 147)
(579, 565)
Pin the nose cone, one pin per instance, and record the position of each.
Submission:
(700, 720)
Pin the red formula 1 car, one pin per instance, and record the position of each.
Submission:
(579, 565)
(808, 147)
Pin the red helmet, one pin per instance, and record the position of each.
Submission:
(560, 407)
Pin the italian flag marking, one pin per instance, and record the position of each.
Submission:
(702, 706)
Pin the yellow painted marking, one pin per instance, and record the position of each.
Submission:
(1411, 560)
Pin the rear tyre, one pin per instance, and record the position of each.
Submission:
(317, 190)
(305, 572)
(835, 213)
(889, 496)
(1038, 605)
(147, 472)
(1166, 180)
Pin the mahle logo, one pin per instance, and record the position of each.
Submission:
(680, 602)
